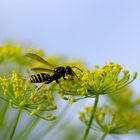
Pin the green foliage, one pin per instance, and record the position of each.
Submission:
(18, 93)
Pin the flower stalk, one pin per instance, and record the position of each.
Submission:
(91, 118)
(103, 136)
(15, 124)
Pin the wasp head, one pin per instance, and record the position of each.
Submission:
(69, 71)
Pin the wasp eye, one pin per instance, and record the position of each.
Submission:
(68, 70)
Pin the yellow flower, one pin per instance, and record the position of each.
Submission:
(91, 83)
(17, 94)
(85, 76)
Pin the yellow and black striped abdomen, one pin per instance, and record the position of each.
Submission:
(40, 77)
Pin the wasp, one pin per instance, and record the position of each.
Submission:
(57, 72)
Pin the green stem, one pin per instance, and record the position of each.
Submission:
(103, 136)
(15, 125)
(91, 118)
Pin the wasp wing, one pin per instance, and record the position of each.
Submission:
(38, 58)
(42, 69)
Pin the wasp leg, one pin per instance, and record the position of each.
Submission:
(46, 82)
(41, 86)
(69, 79)
(75, 74)
(64, 77)
(57, 81)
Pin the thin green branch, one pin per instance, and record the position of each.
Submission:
(103, 136)
(15, 124)
(91, 118)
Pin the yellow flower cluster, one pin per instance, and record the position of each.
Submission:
(108, 79)
(111, 120)
(10, 50)
(15, 53)
(4, 84)
(21, 95)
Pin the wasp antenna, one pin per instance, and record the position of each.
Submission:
(77, 68)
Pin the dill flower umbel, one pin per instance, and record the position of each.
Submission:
(110, 78)
(22, 95)
(111, 120)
